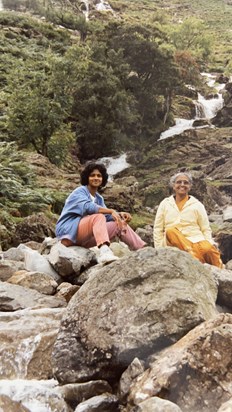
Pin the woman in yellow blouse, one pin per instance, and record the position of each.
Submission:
(181, 221)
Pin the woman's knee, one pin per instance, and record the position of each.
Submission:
(170, 232)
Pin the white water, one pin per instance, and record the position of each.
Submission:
(103, 5)
(180, 126)
(205, 109)
(33, 394)
(1, 5)
(210, 106)
(115, 165)
(86, 11)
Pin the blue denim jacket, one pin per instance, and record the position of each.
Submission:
(78, 204)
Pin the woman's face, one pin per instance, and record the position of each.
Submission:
(95, 179)
(182, 185)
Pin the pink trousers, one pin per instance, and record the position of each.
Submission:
(94, 230)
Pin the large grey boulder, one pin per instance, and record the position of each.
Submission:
(132, 307)
(195, 373)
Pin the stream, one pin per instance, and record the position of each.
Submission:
(205, 109)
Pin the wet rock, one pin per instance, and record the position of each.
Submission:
(26, 342)
(8, 405)
(36, 395)
(140, 304)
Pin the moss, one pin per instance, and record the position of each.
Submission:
(141, 220)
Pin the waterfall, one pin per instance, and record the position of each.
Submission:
(209, 107)
(114, 165)
(86, 10)
(103, 5)
(205, 109)
(1, 5)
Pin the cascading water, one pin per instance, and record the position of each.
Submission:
(1, 5)
(103, 5)
(205, 109)
(114, 165)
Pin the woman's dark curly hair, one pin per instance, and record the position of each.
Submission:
(89, 169)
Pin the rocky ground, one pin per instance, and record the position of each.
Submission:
(148, 332)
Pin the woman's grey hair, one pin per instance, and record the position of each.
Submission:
(173, 178)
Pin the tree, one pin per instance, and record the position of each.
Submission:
(38, 105)
(191, 36)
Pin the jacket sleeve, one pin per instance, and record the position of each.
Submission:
(159, 229)
(203, 222)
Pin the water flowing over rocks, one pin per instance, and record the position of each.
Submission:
(137, 312)
(26, 341)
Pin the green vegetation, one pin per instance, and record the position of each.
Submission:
(104, 85)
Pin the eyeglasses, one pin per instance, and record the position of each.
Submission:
(184, 182)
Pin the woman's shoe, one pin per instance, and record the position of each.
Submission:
(106, 255)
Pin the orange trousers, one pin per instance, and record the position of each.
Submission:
(204, 251)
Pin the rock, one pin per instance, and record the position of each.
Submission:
(34, 261)
(9, 267)
(70, 261)
(100, 403)
(35, 227)
(36, 395)
(26, 342)
(8, 405)
(41, 282)
(223, 237)
(229, 265)
(14, 253)
(226, 407)
(227, 214)
(66, 290)
(224, 278)
(201, 123)
(134, 369)
(75, 393)
(146, 234)
(156, 404)
(14, 297)
(140, 304)
(194, 373)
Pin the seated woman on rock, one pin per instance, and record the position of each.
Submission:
(86, 221)
(181, 221)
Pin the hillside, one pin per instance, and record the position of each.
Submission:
(74, 89)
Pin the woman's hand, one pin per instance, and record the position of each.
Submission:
(125, 216)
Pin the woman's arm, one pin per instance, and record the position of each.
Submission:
(204, 225)
(159, 229)
(115, 215)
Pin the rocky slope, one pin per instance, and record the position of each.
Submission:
(148, 332)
